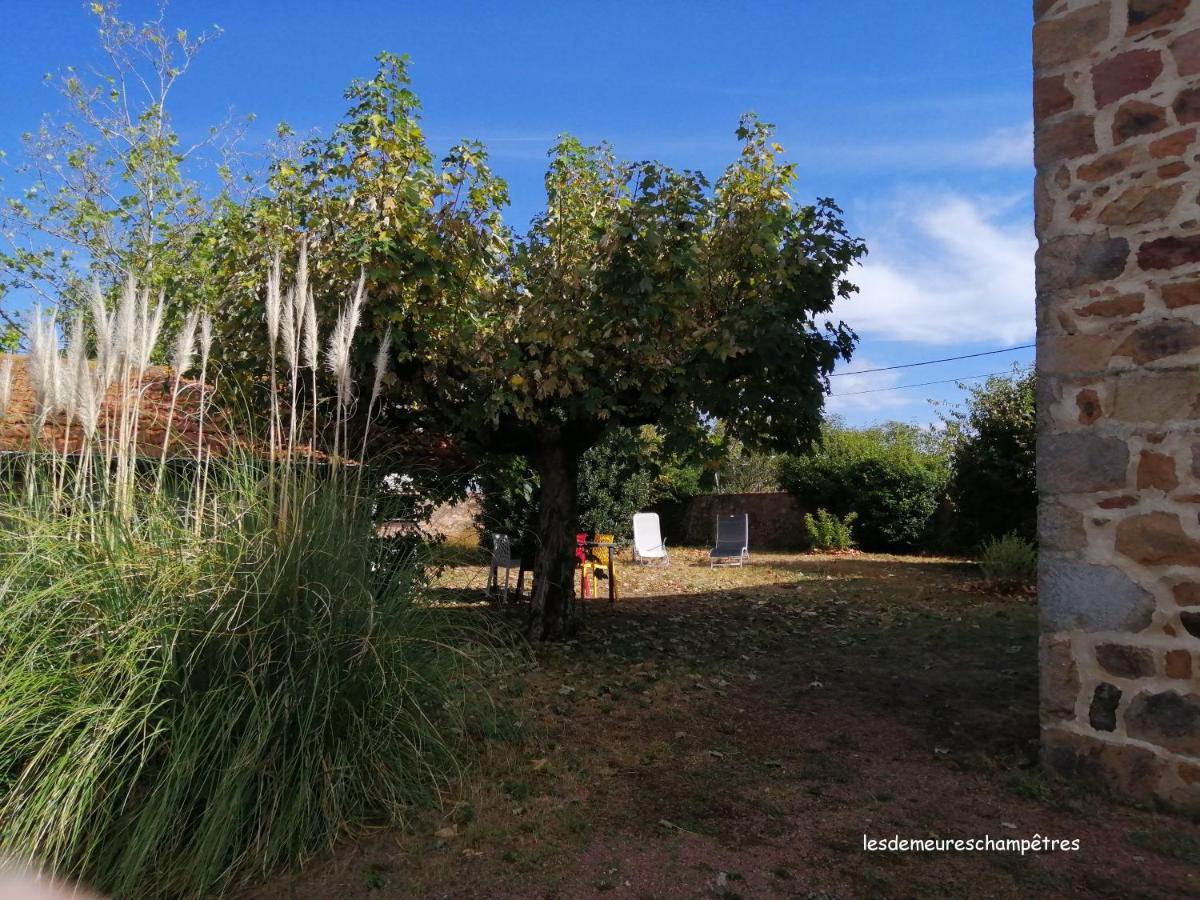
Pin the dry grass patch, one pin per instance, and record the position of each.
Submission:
(734, 733)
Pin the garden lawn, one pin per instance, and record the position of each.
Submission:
(735, 733)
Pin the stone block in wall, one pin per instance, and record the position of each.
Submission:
(1186, 593)
(1156, 539)
(1136, 118)
(1167, 719)
(1068, 138)
(1051, 96)
(1156, 471)
(1125, 661)
(1079, 596)
(1177, 664)
(1169, 252)
(1076, 260)
(1186, 50)
(1181, 294)
(1070, 37)
(1125, 74)
(1157, 397)
(1060, 527)
(1081, 462)
(1102, 711)
(1134, 770)
(1146, 15)
(1187, 106)
(1140, 204)
(1173, 145)
(1115, 306)
(1190, 622)
(1106, 166)
(1160, 340)
(1090, 407)
(1059, 679)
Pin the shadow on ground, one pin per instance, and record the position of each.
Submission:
(736, 733)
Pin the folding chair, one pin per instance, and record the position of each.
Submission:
(600, 559)
(648, 544)
(733, 541)
(502, 558)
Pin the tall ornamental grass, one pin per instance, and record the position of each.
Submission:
(209, 666)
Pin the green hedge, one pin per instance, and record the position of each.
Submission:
(892, 477)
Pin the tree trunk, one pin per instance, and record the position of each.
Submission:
(552, 608)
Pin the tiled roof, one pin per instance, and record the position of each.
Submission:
(154, 408)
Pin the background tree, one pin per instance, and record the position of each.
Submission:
(994, 476)
(620, 476)
(732, 468)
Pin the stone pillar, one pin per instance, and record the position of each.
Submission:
(1117, 110)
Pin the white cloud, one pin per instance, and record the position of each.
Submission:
(846, 397)
(1004, 148)
(945, 269)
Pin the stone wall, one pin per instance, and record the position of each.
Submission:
(1117, 110)
(776, 520)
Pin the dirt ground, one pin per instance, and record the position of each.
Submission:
(737, 733)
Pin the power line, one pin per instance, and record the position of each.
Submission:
(930, 362)
(900, 387)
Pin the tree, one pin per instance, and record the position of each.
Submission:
(734, 469)
(641, 295)
(994, 480)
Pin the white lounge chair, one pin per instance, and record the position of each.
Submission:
(733, 541)
(502, 558)
(648, 545)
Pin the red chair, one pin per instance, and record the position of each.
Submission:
(581, 563)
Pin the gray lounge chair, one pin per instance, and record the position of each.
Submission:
(733, 541)
(502, 558)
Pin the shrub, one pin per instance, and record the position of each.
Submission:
(508, 495)
(209, 668)
(180, 711)
(827, 532)
(1009, 558)
(892, 477)
(618, 478)
(741, 471)
(994, 480)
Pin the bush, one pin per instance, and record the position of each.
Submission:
(994, 480)
(1009, 558)
(181, 711)
(741, 471)
(618, 477)
(827, 532)
(508, 496)
(893, 478)
(210, 668)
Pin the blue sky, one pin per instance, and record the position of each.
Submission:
(914, 116)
